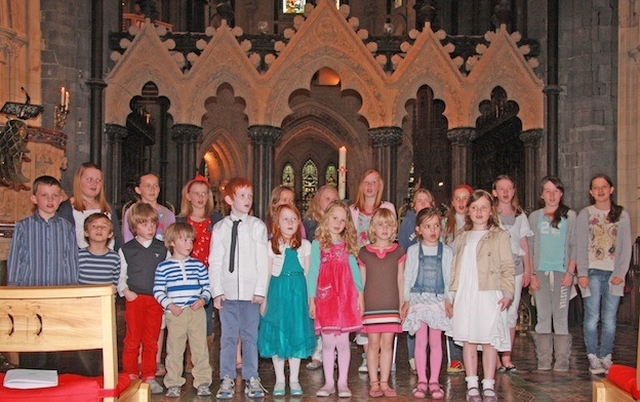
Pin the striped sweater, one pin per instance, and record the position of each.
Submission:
(181, 282)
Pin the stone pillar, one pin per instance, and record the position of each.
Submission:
(385, 157)
(461, 169)
(531, 139)
(263, 140)
(96, 83)
(186, 137)
(115, 134)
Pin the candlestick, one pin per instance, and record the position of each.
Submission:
(342, 172)
(62, 91)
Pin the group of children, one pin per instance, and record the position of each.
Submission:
(276, 291)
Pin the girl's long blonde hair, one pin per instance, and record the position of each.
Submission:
(315, 212)
(78, 201)
(323, 235)
(359, 202)
(186, 209)
(382, 215)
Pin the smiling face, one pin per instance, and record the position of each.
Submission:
(551, 195)
(149, 188)
(241, 202)
(480, 213)
(288, 222)
(336, 222)
(91, 183)
(504, 191)
(601, 190)
(429, 230)
(459, 201)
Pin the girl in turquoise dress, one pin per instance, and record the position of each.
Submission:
(286, 330)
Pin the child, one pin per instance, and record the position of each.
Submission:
(483, 281)
(603, 256)
(335, 293)
(280, 195)
(143, 315)
(181, 286)
(382, 270)
(427, 301)
(98, 264)
(513, 221)
(325, 195)
(368, 200)
(453, 223)
(554, 260)
(239, 277)
(148, 188)
(43, 250)
(286, 331)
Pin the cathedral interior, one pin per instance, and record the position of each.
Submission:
(431, 93)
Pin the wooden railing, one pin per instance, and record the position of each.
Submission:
(129, 19)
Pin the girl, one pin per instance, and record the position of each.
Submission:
(603, 256)
(196, 208)
(280, 195)
(514, 222)
(453, 223)
(286, 331)
(554, 260)
(368, 200)
(87, 199)
(335, 293)
(148, 188)
(422, 198)
(325, 195)
(483, 281)
(382, 271)
(427, 304)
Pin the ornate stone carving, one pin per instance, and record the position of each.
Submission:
(462, 136)
(186, 133)
(531, 138)
(264, 135)
(385, 136)
(115, 132)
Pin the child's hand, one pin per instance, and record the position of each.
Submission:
(535, 283)
(263, 308)
(361, 302)
(404, 310)
(448, 309)
(197, 305)
(616, 280)
(257, 299)
(312, 309)
(217, 302)
(130, 295)
(583, 281)
(504, 303)
(175, 310)
(567, 280)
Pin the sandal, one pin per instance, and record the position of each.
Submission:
(374, 389)
(420, 391)
(473, 395)
(388, 392)
(489, 395)
(436, 391)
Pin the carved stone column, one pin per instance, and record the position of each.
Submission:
(115, 134)
(385, 157)
(531, 140)
(263, 139)
(461, 169)
(186, 137)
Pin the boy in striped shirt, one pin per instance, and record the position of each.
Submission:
(181, 286)
(97, 263)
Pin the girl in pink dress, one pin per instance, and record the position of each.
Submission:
(335, 290)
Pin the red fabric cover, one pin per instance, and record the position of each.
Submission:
(625, 378)
(71, 388)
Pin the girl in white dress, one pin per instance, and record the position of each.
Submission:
(483, 279)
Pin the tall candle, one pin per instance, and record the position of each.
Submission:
(342, 172)
(62, 96)
(66, 100)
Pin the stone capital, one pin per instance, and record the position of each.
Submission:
(531, 138)
(115, 132)
(185, 133)
(462, 136)
(385, 136)
(264, 135)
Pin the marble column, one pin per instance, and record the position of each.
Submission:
(263, 140)
(186, 137)
(461, 169)
(531, 139)
(385, 157)
(115, 134)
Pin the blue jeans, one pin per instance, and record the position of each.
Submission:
(600, 306)
(239, 319)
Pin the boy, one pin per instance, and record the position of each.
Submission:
(181, 287)
(43, 250)
(139, 259)
(239, 278)
(98, 264)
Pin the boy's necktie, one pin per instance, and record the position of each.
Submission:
(234, 240)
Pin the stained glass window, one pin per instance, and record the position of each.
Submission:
(331, 176)
(309, 182)
(288, 176)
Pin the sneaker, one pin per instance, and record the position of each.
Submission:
(203, 390)
(227, 389)
(173, 392)
(455, 367)
(363, 367)
(160, 370)
(155, 387)
(595, 365)
(253, 388)
(606, 363)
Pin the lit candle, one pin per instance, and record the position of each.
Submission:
(66, 100)
(342, 172)
(62, 96)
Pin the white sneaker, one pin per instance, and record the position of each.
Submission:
(227, 388)
(363, 367)
(254, 389)
(155, 387)
(606, 363)
(595, 365)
